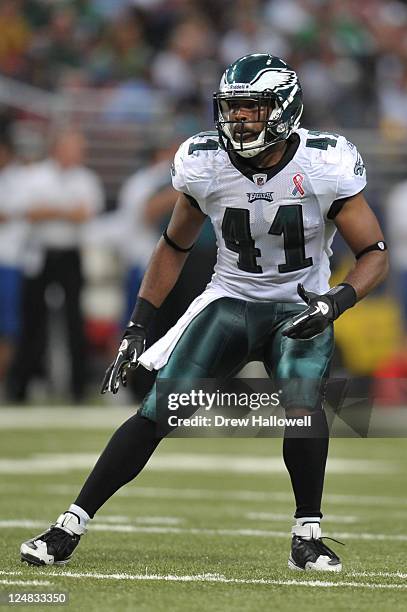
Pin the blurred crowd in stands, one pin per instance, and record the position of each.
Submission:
(73, 251)
(351, 56)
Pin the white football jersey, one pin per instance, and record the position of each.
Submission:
(274, 227)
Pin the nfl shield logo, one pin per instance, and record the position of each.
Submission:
(260, 179)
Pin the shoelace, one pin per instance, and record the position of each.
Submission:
(332, 539)
(321, 547)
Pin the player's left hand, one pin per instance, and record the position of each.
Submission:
(314, 319)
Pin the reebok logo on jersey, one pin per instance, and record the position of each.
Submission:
(268, 196)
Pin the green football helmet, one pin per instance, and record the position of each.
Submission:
(268, 84)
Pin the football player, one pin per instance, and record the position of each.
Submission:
(275, 194)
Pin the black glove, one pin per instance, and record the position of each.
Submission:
(132, 346)
(321, 312)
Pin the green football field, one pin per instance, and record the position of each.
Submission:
(206, 527)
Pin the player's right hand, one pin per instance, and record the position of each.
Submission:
(131, 347)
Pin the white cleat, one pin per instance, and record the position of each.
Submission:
(309, 553)
(56, 545)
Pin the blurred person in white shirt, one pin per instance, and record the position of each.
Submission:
(61, 196)
(145, 200)
(145, 203)
(12, 231)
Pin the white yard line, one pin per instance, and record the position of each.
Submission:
(26, 523)
(378, 574)
(244, 532)
(50, 463)
(26, 582)
(216, 578)
(217, 494)
(155, 520)
(23, 523)
(115, 519)
(57, 417)
(275, 516)
(240, 495)
(142, 520)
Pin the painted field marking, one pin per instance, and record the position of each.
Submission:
(263, 533)
(50, 463)
(219, 495)
(141, 520)
(57, 417)
(347, 574)
(244, 495)
(378, 574)
(275, 516)
(26, 582)
(219, 578)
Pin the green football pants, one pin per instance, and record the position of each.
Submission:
(229, 333)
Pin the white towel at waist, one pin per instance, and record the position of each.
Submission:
(158, 354)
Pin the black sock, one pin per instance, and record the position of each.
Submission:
(124, 457)
(305, 459)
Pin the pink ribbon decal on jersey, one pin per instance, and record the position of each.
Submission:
(298, 180)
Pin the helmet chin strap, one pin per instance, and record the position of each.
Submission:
(250, 153)
(238, 147)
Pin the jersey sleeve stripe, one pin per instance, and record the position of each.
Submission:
(193, 202)
(337, 205)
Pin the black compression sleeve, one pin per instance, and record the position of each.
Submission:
(305, 457)
(124, 457)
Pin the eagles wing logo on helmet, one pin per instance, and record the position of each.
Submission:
(270, 83)
(277, 78)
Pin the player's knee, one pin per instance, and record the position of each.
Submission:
(148, 407)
